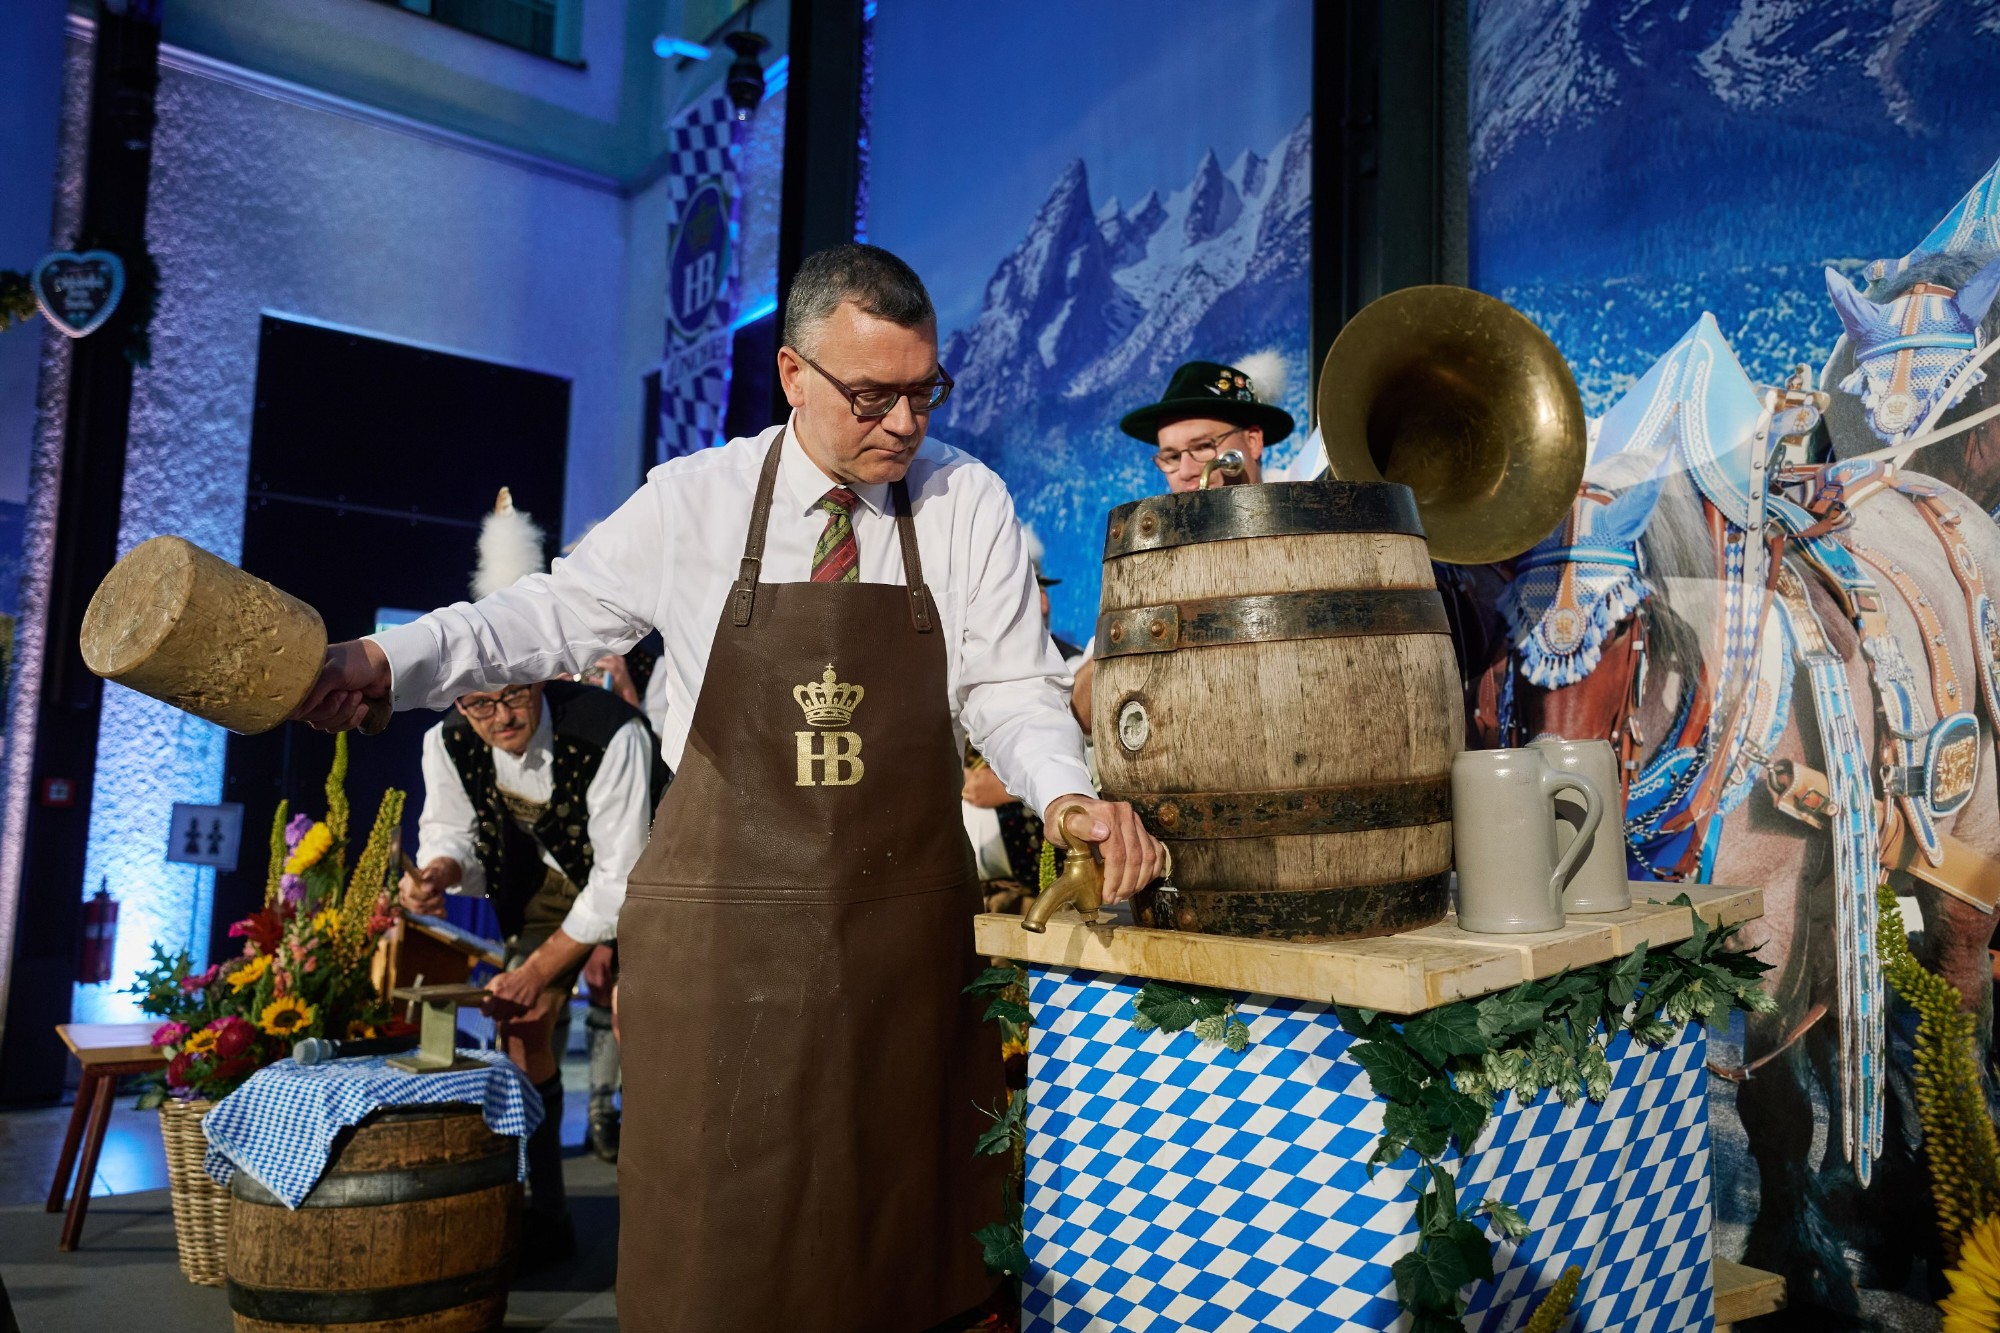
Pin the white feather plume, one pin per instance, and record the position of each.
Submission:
(1034, 541)
(510, 548)
(1267, 371)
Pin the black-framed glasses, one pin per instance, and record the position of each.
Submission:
(516, 698)
(1169, 460)
(872, 404)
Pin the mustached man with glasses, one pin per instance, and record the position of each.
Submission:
(843, 603)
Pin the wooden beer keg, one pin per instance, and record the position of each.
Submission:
(186, 627)
(1277, 695)
(412, 1227)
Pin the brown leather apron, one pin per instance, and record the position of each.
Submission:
(800, 1066)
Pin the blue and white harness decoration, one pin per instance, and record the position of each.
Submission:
(1971, 227)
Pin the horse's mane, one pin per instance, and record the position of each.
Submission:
(1952, 271)
(1680, 567)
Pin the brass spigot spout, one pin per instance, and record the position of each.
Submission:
(1229, 463)
(1081, 884)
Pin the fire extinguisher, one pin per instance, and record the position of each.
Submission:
(100, 935)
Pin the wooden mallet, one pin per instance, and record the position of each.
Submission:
(181, 625)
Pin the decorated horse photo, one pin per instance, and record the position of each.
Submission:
(1778, 603)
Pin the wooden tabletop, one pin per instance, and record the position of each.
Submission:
(110, 1043)
(1403, 974)
(1744, 1293)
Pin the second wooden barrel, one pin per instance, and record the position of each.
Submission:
(411, 1230)
(1277, 695)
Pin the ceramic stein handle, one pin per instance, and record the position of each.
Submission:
(1553, 781)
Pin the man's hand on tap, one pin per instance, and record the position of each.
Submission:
(1133, 858)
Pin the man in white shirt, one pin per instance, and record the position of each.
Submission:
(538, 798)
(839, 600)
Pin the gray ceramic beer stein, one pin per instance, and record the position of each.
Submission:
(1600, 884)
(1503, 833)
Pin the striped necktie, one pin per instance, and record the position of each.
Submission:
(836, 559)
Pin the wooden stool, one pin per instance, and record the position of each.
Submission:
(107, 1052)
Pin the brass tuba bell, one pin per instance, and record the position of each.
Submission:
(1461, 398)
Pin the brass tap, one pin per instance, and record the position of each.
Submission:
(1229, 463)
(1081, 884)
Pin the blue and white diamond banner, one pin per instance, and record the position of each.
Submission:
(1175, 1184)
(701, 278)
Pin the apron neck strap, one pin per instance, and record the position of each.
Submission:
(913, 564)
(743, 593)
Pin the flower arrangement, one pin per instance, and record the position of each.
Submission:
(304, 969)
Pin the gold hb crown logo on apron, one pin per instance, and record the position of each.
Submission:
(829, 758)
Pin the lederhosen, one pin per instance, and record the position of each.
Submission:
(801, 1067)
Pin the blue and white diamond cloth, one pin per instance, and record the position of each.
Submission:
(1174, 1184)
(280, 1125)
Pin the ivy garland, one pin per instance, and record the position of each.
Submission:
(1003, 1244)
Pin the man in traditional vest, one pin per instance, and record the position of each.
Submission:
(537, 797)
(837, 597)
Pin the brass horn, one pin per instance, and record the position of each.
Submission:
(1461, 398)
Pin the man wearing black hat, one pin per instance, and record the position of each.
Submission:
(1208, 409)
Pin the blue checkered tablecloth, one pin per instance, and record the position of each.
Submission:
(1174, 1184)
(280, 1125)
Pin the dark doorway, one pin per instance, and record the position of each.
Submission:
(371, 465)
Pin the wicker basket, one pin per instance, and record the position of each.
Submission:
(201, 1207)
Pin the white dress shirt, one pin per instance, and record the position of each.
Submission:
(619, 801)
(666, 560)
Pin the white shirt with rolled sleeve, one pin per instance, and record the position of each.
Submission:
(619, 802)
(666, 560)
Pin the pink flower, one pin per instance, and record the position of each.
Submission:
(195, 981)
(311, 963)
(297, 829)
(169, 1034)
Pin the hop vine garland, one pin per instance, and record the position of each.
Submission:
(1958, 1137)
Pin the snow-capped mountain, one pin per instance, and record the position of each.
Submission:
(1540, 67)
(1104, 301)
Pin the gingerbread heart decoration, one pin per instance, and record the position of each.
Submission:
(78, 292)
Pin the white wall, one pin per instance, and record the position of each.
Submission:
(261, 204)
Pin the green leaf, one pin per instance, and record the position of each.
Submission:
(1002, 1250)
(1439, 1034)
(998, 1138)
(1430, 1276)
(1361, 1024)
(1395, 1074)
(1474, 1250)
(1501, 1016)
(1141, 1023)
(1437, 1321)
(1693, 945)
(1168, 1006)
(1465, 1117)
(1506, 1218)
(1211, 1003)
(1446, 1190)
(152, 1098)
(995, 980)
(1002, 1007)
(1625, 976)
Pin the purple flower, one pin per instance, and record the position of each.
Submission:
(297, 829)
(291, 889)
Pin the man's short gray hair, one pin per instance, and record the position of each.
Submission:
(877, 282)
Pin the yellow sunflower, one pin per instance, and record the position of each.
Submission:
(1974, 1303)
(282, 1018)
(1012, 1047)
(310, 849)
(200, 1043)
(326, 920)
(252, 972)
(359, 1031)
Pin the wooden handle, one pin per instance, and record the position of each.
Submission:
(380, 713)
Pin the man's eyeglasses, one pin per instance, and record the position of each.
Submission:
(481, 707)
(872, 404)
(1169, 460)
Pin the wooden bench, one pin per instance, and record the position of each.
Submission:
(107, 1052)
